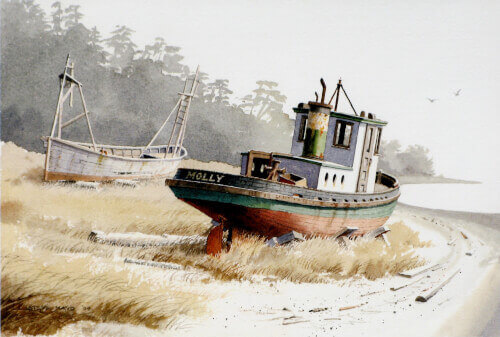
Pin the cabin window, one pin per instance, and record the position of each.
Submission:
(343, 132)
(369, 148)
(302, 128)
(377, 144)
(326, 177)
(334, 178)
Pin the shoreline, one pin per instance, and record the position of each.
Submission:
(481, 309)
(410, 180)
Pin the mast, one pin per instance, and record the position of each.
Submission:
(182, 107)
(336, 95)
(179, 128)
(68, 81)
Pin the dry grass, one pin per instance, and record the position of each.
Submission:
(52, 266)
(39, 287)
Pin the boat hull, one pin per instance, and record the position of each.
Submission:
(258, 209)
(66, 160)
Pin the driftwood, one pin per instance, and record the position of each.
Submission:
(352, 306)
(463, 235)
(417, 271)
(87, 184)
(164, 265)
(426, 297)
(372, 293)
(318, 309)
(295, 322)
(408, 284)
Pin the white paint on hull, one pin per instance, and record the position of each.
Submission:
(70, 159)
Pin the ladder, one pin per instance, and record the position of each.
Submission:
(179, 127)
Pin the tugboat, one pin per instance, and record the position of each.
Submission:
(327, 184)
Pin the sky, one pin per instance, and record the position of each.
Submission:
(391, 56)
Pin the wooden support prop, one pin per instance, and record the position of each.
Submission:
(428, 296)
(345, 231)
(214, 240)
(344, 234)
(417, 271)
(285, 238)
(377, 232)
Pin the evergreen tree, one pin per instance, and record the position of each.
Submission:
(123, 47)
(57, 18)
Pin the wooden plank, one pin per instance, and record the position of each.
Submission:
(417, 271)
(429, 295)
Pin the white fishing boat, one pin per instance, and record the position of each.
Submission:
(79, 161)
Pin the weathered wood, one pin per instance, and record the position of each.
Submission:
(87, 116)
(72, 120)
(73, 161)
(352, 306)
(408, 284)
(429, 295)
(164, 265)
(417, 271)
(463, 235)
(345, 231)
(377, 232)
(285, 238)
(162, 126)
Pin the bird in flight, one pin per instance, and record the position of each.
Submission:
(457, 92)
(432, 99)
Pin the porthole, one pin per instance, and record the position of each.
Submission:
(334, 178)
(355, 200)
(342, 180)
(334, 200)
(326, 177)
(346, 200)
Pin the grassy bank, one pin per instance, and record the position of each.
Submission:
(52, 275)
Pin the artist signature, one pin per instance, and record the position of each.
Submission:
(204, 176)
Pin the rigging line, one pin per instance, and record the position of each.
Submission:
(348, 100)
(162, 126)
(331, 99)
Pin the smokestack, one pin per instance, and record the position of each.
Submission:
(317, 126)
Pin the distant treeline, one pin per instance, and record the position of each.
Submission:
(130, 90)
(414, 160)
